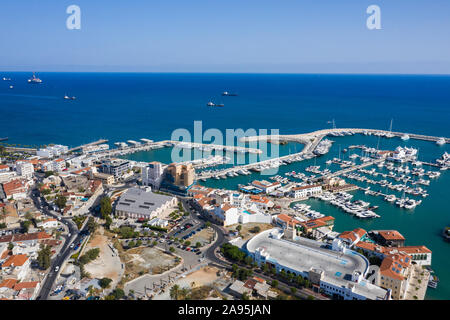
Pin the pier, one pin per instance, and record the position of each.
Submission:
(101, 141)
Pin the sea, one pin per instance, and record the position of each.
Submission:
(131, 106)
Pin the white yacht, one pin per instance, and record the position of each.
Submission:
(441, 141)
(405, 137)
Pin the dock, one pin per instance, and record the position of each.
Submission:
(101, 141)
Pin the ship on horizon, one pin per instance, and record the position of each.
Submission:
(229, 94)
(34, 79)
(66, 97)
(212, 104)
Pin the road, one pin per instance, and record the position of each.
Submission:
(65, 251)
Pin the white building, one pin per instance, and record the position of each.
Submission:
(52, 151)
(57, 165)
(48, 224)
(25, 169)
(152, 174)
(306, 191)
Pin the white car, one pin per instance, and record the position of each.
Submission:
(57, 268)
(72, 245)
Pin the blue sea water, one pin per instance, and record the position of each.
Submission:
(123, 106)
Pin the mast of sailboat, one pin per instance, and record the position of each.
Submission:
(390, 127)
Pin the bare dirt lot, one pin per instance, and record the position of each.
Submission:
(108, 263)
(248, 230)
(139, 261)
(204, 236)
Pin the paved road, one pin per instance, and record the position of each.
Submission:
(65, 251)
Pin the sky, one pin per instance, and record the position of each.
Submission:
(266, 36)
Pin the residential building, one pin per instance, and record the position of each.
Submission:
(25, 169)
(152, 174)
(16, 266)
(266, 186)
(306, 191)
(115, 167)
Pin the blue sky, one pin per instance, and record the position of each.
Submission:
(324, 36)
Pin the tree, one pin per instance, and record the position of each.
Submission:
(208, 224)
(265, 268)
(91, 225)
(174, 292)
(198, 245)
(108, 222)
(60, 201)
(118, 293)
(105, 207)
(10, 246)
(138, 243)
(187, 243)
(43, 258)
(245, 296)
(25, 225)
(274, 283)
(293, 290)
(172, 249)
(239, 228)
(131, 244)
(104, 282)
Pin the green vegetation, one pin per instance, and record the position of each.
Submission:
(43, 258)
(127, 233)
(60, 201)
(89, 256)
(49, 173)
(104, 282)
(105, 207)
(92, 225)
(116, 294)
(79, 220)
(232, 252)
(156, 228)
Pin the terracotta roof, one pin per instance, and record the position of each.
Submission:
(414, 249)
(26, 285)
(306, 187)
(285, 218)
(8, 283)
(394, 266)
(391, 235)
(15, 260)
(4, 166)
(25, 237)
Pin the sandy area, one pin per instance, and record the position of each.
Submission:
(203, 237)
(108, 264)
(248, 227)
(202, 277)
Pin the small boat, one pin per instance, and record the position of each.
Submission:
(11, 87)
(405, 137)
(212, 104)
(6, 79)
(441, 141)
(66, 97)
(228, 94)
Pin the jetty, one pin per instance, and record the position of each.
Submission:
(101, 141)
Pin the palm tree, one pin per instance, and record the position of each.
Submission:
(174, 292)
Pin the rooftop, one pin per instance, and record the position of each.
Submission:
(141, 201)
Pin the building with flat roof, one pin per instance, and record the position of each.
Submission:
(116, 167)
(152, 174)
(339, 274)
(143, 203)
